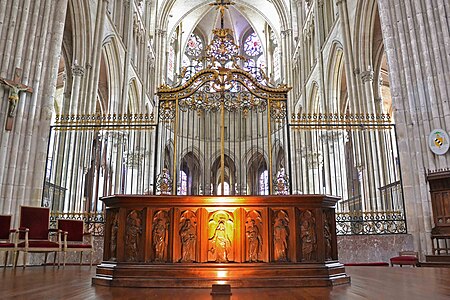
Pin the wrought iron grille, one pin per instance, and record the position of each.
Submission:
(354, 157)
(94, 156)
(94, 222)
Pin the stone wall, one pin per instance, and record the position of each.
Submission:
(372, 248)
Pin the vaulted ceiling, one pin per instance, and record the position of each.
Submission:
(200, 16)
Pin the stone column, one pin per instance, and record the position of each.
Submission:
(286, 39)
(37, 40)
(417, 41)
(128, 40)
(160, 59)
(77, 72)
(367, 81)
(96, 58)
(348, 54)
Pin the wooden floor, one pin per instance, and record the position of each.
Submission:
(74, 282)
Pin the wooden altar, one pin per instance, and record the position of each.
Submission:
(197, 241)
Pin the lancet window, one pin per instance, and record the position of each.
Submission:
(193, 52)
(253, 52)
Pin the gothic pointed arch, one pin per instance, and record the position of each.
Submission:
(336, 73)
(257, 174)
(111, 77)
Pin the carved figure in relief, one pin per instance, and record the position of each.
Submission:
(308, 235)
(254, 238)
(159, 240)
(133, 233)
(188, 234)
(113, 240)
(160, 234)
(280, 236)
(219, 249)
(327, 237)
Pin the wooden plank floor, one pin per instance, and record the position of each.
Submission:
(74, 282)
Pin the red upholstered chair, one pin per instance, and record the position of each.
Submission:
(7, 237)
(35, 234)
(74, 241)
(410, 258)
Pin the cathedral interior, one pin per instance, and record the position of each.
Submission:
(344, 98)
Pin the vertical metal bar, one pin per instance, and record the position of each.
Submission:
(212, 140)
(175, 138)
(269, 140)
(206, 155)
(287, 136)
(240, 153)
(158, 147)
(133, 151)
(400, 175)
(50, 136)
(67, 169)
(143, 139)
(222, 144)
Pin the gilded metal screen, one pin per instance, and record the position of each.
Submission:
(222, 132)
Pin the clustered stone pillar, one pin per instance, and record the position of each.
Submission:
(417, 42)
(31, 32)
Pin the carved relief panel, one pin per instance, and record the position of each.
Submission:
(328, 234)
(280, 236)
(113, 237)
(221, 236)
(188, 236)
(160, 235)
(133, 235)
(308, 236)
(111, 234)
(253, 236)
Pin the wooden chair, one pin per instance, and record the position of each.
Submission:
(74, 241)
(410, 258)
(7, 237)
(35, 234)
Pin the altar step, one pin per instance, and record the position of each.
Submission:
(437, 261)
(237, 275)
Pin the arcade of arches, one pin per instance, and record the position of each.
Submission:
(334, 59)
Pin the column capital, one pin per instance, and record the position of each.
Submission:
(320, 3)
(338, 2)
(367, 76)
(77, 70)
(161, 33)
(286, 32)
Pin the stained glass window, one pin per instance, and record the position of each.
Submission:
(261, 63)
(171, 62)
(194, 46)
(264, 183)
(277, 63)
(252, 45)
(182, 189)
(185, 62)
(249, 64)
